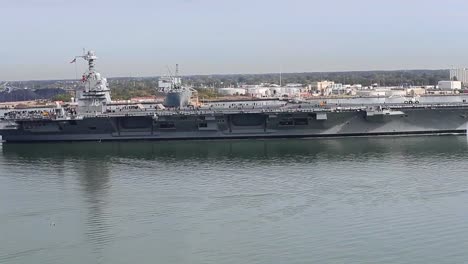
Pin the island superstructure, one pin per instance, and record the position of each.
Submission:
(94, 116)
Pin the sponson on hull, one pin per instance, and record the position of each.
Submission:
(95, 117)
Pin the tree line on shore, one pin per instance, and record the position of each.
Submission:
(366, 78)
(126, 88)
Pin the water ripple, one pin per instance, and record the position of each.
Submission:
(391, 200)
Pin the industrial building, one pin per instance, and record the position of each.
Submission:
(449, 85)
(459, 75)
(231, 91)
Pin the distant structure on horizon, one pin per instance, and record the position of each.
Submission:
(459, 75)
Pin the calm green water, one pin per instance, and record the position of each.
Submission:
(366, 200)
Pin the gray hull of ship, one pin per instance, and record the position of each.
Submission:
(177, 98)
(251, 125)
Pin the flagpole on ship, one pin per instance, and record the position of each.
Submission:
(76, 76)
(76, 72)
(76, 69)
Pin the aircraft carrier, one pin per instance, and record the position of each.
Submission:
(94, 117)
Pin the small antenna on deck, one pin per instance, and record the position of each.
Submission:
(280, 77)
(170, 72)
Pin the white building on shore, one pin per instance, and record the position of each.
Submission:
(449, 85)
(232, 91)
(459, 75)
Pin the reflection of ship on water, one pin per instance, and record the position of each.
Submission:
(87, 166)
(273, 150)
(94, 179)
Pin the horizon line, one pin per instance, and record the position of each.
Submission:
(258, 73)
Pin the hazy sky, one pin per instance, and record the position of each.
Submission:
(140, 37)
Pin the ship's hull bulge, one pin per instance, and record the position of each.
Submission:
(244, 125)
(177, 98)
